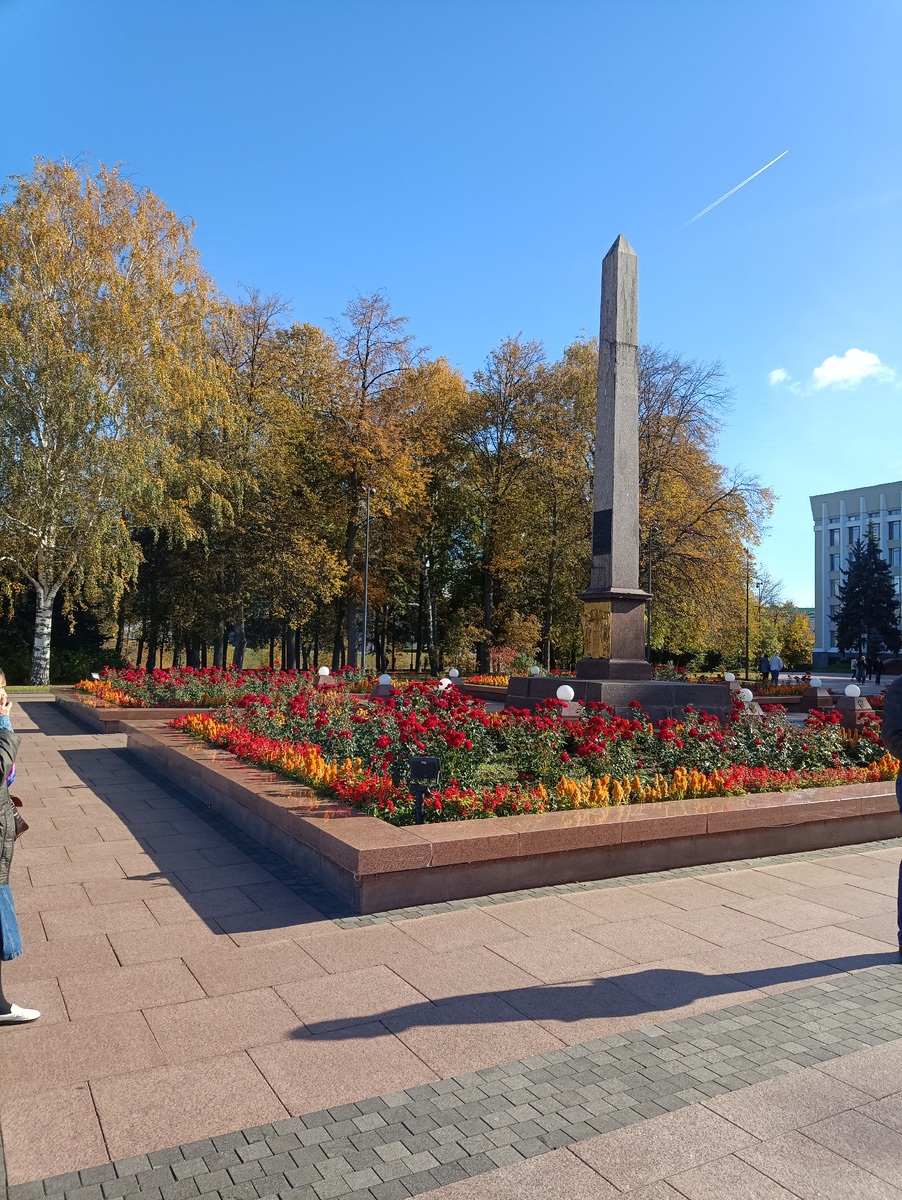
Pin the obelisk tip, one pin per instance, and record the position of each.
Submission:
(621, 246)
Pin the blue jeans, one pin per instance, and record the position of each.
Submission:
(10, 938)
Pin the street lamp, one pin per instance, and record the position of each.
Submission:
(366, 575)
(748, 584)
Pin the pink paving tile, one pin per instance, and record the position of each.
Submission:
(194, 838)
(128, 989)
(350, 949)
(102, 851)
(463, 972)
(617, 904)
(883, 927)
(811, 874)
(226, 969)
(354, 998)
(169, 941)
(810, 1170)
(119, 891)
(862, 1141)
(649, 940)
(452, 930)
(762, 965)
(225, 856)
(46, 960)
(214, 1026)
(887, 1111)
(876, 1071)
(202, 879)
(579, 1012)
(790, 912)
(30, 856)
(220, 902)
(838, 946)
(31, 928)
(864, 867)
(160, 866)
(42, 994)
(51, 1133)
(559, 1175)
(54, 874)
(887, 886)
(755, 884)
(724, 926)
(323, 1072)
(276, 895)
(153, 1110)
(727, 1179)
(99, 918)
(850, 898)
(684, 893)
(252, 929)
(557, 957)
(542, 915)
(651, 1150)
(37, 1057)
(686, 984)
(791, 1101)
(454, 1037)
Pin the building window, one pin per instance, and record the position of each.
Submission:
(853, 534)
(834, 612)
(833, 520)
(897, 583)
(834, 562)
(834, 587)
(874, 516)
(894, 556)
(895, 512)
(834, 537)
(893, 530)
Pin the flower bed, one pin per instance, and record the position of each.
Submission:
(202, 687)
(504, 764)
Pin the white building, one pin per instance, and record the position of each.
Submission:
(840, 518)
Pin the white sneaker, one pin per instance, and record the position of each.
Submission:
(18, 1016)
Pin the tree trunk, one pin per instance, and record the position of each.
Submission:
(430, 613)
(152, 649)
(120, 629)
(217, 645)
(316, 645)
(487, 614)
(194, 652)
(299, 648)
(350, 598)
(272, 652)
(140, 652)
(45, 594)
(420, 623)
(203, 654)
(289, 648)
(549, 590)
(240, 640)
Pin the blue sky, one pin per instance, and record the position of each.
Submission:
(477, 159)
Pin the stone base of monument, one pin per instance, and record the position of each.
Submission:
(658, 698)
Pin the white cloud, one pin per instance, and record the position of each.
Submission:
(848, 370)
(777, 376)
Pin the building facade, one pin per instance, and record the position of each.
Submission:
(840, 518)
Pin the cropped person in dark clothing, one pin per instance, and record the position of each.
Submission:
(892, 738)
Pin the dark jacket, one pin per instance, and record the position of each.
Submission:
(892, 718)
(9, 748)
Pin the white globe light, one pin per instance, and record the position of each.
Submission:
(745, 695)
(323, 671)
(814, 682)
(729, 677)
(853, 689)
(535, 670)
(443, 684)
(385, 680)
(565, 692)
(453, 673)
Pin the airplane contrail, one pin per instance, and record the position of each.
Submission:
(726, 195)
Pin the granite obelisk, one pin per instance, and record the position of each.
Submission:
(613, 614)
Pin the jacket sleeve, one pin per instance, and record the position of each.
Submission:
(892, 719)
(9, 748)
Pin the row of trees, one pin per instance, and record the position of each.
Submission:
(196, 468)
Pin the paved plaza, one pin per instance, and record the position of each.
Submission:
(217, 1024)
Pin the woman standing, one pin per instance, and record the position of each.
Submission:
(10, 939)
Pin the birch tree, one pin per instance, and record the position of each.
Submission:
(101, 296)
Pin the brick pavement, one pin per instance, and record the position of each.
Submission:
(195, 985)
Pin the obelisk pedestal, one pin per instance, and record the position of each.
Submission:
(614, 605)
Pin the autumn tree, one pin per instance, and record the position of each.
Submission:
(101, 307)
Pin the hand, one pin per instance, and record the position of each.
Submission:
(5, 705)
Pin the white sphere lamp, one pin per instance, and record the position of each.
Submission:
(565, 692)
(745, 695)
(444, 684)
(852, 689)
(385, 680)
(729, 677)
(323, 672)
(814, 682)
(453, 673)
(535, 670)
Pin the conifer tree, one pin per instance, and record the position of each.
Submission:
(869, 609)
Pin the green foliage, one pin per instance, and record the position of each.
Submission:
(869, 608)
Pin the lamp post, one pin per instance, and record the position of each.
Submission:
(366, 576)
(748, 584)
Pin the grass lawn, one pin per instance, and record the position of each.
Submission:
(15, 689)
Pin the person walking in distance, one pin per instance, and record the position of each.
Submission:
(892, 739)
(776, 666)
(764, 668)
(878, 669)
(10, 938)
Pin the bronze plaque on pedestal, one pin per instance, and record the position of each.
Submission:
(597, 629)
